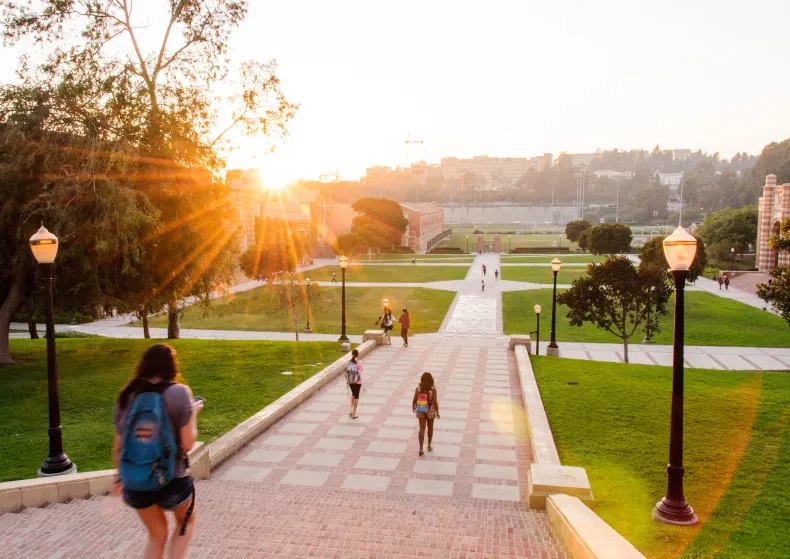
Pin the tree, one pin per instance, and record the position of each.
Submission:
(382, 215)
(298, 299)
(56, 167)
(574, 228)
(584, 239)
(730, 228)
(618, 298)
(350, 244)
(652, 254)
(609, 238)
(162, 102)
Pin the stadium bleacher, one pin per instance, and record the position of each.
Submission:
(525, 216)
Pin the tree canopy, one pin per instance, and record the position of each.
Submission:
(574, 228)
(652, 254)
(728, 229)
(609, 238)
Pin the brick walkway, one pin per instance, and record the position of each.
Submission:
(319, 484)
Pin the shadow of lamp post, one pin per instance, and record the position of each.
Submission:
(553, 349)
(343, 265)
(44, 246)
(679, 249)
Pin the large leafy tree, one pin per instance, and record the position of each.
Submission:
(609, 238)
(728, 229)
(617, 297)
(56, 167)
(652, 254)
(162, 99)
(381, 215)
(574, 228)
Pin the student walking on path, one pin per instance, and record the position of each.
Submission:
(334, 277)
(726, 283)
(387, 323)
(426, 407)
(154, 414)
(496, 275)
(483, 285)
(354, 380)
(484, 269)
(721, 281)
(405, 323)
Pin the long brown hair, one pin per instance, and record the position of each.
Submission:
(158, 362)
(426, 381)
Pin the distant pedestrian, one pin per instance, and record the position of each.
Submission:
(426, 407)
(721, 282)
(334, 277)
(387, 323)
(413, 259)
(155, 414)
(726, 283)
(405, 323)
(496, 275)
(770, 282)
(354, 380)
(484, 269)
(483, 285)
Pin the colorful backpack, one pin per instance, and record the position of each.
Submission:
(423, 402)
(352, 373)
(149, 451)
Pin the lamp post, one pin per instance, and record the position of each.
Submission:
(386, 302)
(732, 257)
(343, 265)
(508, 244)
(45, 247)
(648, 339)
(553, 349)
(467, 244)
(307, 328)
(537, 308)
(679, 249)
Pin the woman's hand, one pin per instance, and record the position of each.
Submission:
(197, 407)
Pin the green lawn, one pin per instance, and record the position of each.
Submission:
(389, 274)
(541, 274)
(544, 259)
(428, 257)
(236, 378)
(254, 310)
(710, 320)
(613, 420)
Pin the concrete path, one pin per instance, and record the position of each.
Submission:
(744, 297)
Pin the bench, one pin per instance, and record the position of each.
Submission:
(375, 335)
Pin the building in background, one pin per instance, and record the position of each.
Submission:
(495, 171)
(681, 155)
(584, 159)
(672, 180)
(541, 162)
(773, 207)
(616, 175)
(246, 193)
(426, 226)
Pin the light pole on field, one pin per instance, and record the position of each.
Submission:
(553, 349)
(343, 265)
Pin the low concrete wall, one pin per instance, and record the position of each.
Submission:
(202, 458)
(559, 488)
(585, 535)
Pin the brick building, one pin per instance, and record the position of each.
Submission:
(426, 224)
(773, 207)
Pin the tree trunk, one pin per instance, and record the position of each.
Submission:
(625, 349)
(146, 329)
(296, 329)
(7, 310)
(31, 327)
(173, 322)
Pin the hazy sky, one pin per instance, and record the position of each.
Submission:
(517, 78)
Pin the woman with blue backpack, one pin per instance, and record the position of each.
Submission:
(426, 407)
(354, 380)
(156, 425)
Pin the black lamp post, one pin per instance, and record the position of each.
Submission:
(307, 328)
(537, 330)
(732, 257)
(343, 266)
(648, 339)
(553, 348)
(679, 248)
(45, 247)
(467, 244)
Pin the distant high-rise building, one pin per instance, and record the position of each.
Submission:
(501, 171)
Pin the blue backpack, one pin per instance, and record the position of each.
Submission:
(149, 448)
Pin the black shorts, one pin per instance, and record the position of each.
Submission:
(171, 496)
(355, 390)
(388, 329)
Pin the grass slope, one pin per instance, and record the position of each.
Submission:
(613, 419)
(236, 378)
(541, 274)
(255, 310)
(710, 320)
(389, 274)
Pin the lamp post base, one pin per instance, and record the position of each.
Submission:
(307, 329)
(343, 339)
(675, 513)
(647, 340)
(553, 351)
(60, 467)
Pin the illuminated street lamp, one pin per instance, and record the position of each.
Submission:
(553, 349)
(44, 246)
(467, 244)
(386, 303)
(679, 249)
(343, 265)
(537, 308)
